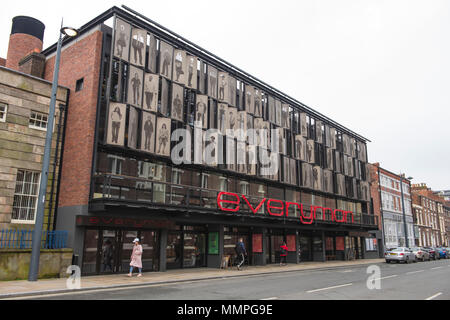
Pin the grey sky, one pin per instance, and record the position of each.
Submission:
(381, 68)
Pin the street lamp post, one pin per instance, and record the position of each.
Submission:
(402, 177)
(37, 232)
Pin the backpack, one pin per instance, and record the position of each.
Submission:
(283, 251)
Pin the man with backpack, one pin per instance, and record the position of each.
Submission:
(283, 254)
(241, 252)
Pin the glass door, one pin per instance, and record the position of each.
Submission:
(174, 251)
(305, 244)
(194, 250)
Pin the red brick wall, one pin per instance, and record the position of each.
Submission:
(20, 45)
(2, 62)
(375, 194)
(81, 60)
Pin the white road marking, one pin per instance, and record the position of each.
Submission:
(413, 272)
(393, 276)
(269, 299)
(435, 296)
(329, 288)
(437, 268)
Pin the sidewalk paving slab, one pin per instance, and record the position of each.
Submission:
(16, 289)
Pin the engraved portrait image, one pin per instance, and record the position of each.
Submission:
(163, 135)
(355, 188)
(307, 175)
(362, 152)
(201, 114)
(242, 123)
(222, 118)
(133, 128)
(345, 164)
(232, 89)
(310, 151)
(303, 125)
(267, 134)
(357, 172)
(252, 138)
(192, 63)
(179, 66)
(286, 170)
(258, 103)
(177, 109)
(242, 157)
(338, 162)
(327, 136)
(257, 126)
(232, 121)
(293, 171)
(333, 138)
(211, 147)
(151, 91)
(353, 147)
(224, 93)
(122, 40)
(285, 118)
(251, 160)
(212, 82)
(165, 60)
(231, 154)
(330, 161)
(164, 106)
(300, 147)
(282, 147)
(345, 144)
(152, 55)
(135, 85)
(138, 47)
(317, 178)
(328, 181)
(116, 127)
(278, 113)
(319, 132)
(148, 132)
(350, 166)
(249, 99)
(341, 184)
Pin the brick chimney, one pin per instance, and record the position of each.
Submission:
(25, 44)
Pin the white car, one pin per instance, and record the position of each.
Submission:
(400, 254)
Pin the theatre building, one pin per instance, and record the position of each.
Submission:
(135, 85)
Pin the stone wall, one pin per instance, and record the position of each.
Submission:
(15, 264)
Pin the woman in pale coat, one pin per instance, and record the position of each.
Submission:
(136, 258)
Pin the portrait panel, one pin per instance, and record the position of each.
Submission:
(152, 55)
(192, 72)
(258, 127)
(350, 166)
(293, 171)
(330, 160)
(362, 155)
(249, 99)
(133, 125)
(249, 128)
(213, 79)
(278, 113)
(241, 157)
(333, 138)
(307, 174)
(232, 121)
(266, 133)
(117, 121)
(138, 47)
(300, 147)
(319, 132)
(303, 125)
(285, 118)
(165, 60)
(164, 105)
(353, 147)
(341, 184)
(212, 148)
(222, 118)
(202, 77)
(345, 158)
(231, 154)
(317, 178)
(177, 108)
(345, 143)
(201, 114)
(327, 136)
(151, 92)
(163, 135)
(135, 85)
(310, 151)
(242, 124)
(122, 40)
(232, 91)
(179, 67)
(328, 181)
(148, 126)
(258, 110)
(252, 160)
(338, 162)
(224, 93)
(286, 170)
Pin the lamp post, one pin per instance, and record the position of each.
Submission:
(37, 232)
(402, 178)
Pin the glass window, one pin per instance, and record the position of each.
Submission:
(38, 120)
(25, 196)
(3, 111)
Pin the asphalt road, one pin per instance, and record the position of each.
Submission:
(418, 281)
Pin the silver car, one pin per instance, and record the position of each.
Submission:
(399, 255)
(421, 254)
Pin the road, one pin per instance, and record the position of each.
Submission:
(418, 281)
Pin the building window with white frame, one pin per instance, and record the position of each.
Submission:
(3, 111)
(38, 120)
(25, 197)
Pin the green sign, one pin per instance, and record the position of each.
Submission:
(213, 247)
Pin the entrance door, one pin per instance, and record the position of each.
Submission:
(109, 255)
(194, 250)
(174, 251)
(305, 243)
(275, 242)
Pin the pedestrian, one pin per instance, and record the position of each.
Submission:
(136, 258)
(108, 255)
(241, 253)
(283, 254)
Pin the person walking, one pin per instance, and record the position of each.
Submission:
(136, 258)
(283, 254)
(241, 252)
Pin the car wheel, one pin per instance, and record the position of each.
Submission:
(388, 261)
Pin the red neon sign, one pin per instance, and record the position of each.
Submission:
(278, 208)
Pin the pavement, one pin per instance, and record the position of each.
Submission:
(17, 289)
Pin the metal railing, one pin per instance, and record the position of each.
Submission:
(23, 239)
(123, 188)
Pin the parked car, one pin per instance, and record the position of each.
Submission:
(421, 254)
(448, 252)
(441, 253)
(432, 253)
(399, 255)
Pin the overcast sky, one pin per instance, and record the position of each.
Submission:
(380, 68)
